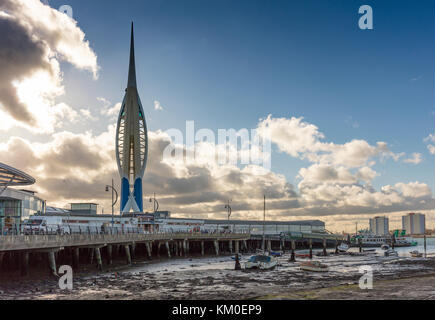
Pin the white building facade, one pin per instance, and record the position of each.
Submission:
(379, 226)
(414, 223)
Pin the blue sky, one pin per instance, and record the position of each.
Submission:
(228, 63)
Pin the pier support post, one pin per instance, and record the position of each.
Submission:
(216, 247)
(230, 246)
(324, 247)
(109, 255)
(133, 250)
(158, 248)
(245, 245)
(127, 254)
(185, 247)
(168, 249)
(25, 263)
(237, 265)
(311, 248)
(176, 248)
(91, 256)
(98, 258)
(148, 246)
(425, 255)
(76, 258)
(293, 257)
(336, 246)
(236, 244)
(360, 244)
(52, 263)
(269, 245)
(202, 248)
(2, 254)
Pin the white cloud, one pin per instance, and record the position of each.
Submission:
(157, 106)
(416, 158)
(39, 37)
(304, 141)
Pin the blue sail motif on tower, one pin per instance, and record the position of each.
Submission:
(131, 142)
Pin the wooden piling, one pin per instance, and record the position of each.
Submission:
(311, 248)
(109, 255)
(127, 254)
(98, 258)
(52, 263)
(168, 249)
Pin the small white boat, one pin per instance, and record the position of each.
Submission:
(343, 247)
(261, 262)
(385, 246)
(314, 266)
(390, 253)
(416, 254)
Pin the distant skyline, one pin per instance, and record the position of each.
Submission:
(351, 111)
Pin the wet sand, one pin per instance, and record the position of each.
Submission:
(412, 288)
(213, 278)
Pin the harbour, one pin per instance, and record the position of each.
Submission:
(213, 277)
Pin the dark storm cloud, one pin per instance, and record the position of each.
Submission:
(20, 56)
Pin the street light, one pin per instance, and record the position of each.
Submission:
(113, 203)
(156, 203)
(228, 207)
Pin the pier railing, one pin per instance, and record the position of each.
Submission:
(34, 242)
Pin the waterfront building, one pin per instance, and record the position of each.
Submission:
(379, 226)
(414, 223)
(16, 204)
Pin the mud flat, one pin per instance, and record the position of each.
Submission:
(411, 288)
(215, 278)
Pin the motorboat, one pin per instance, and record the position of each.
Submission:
(314, 266)
(275, 253)
(343, 247)
(261, 262)
(385, 246)
(416, 254)
(234, 257)
(390, 253)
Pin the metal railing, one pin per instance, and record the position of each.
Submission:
(28, 230)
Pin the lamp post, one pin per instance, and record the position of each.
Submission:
(113, 203)
(156, 203)
(228, 207)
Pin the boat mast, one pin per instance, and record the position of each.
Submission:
(264, 224)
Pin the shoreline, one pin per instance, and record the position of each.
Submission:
(419, 287)
(214, 278)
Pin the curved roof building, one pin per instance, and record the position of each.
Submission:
(16, 205)
(13, 177)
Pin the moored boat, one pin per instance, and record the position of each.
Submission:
(314, 266)
(343, 247)
(261, 262)
(390, 253)
(416, 254)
